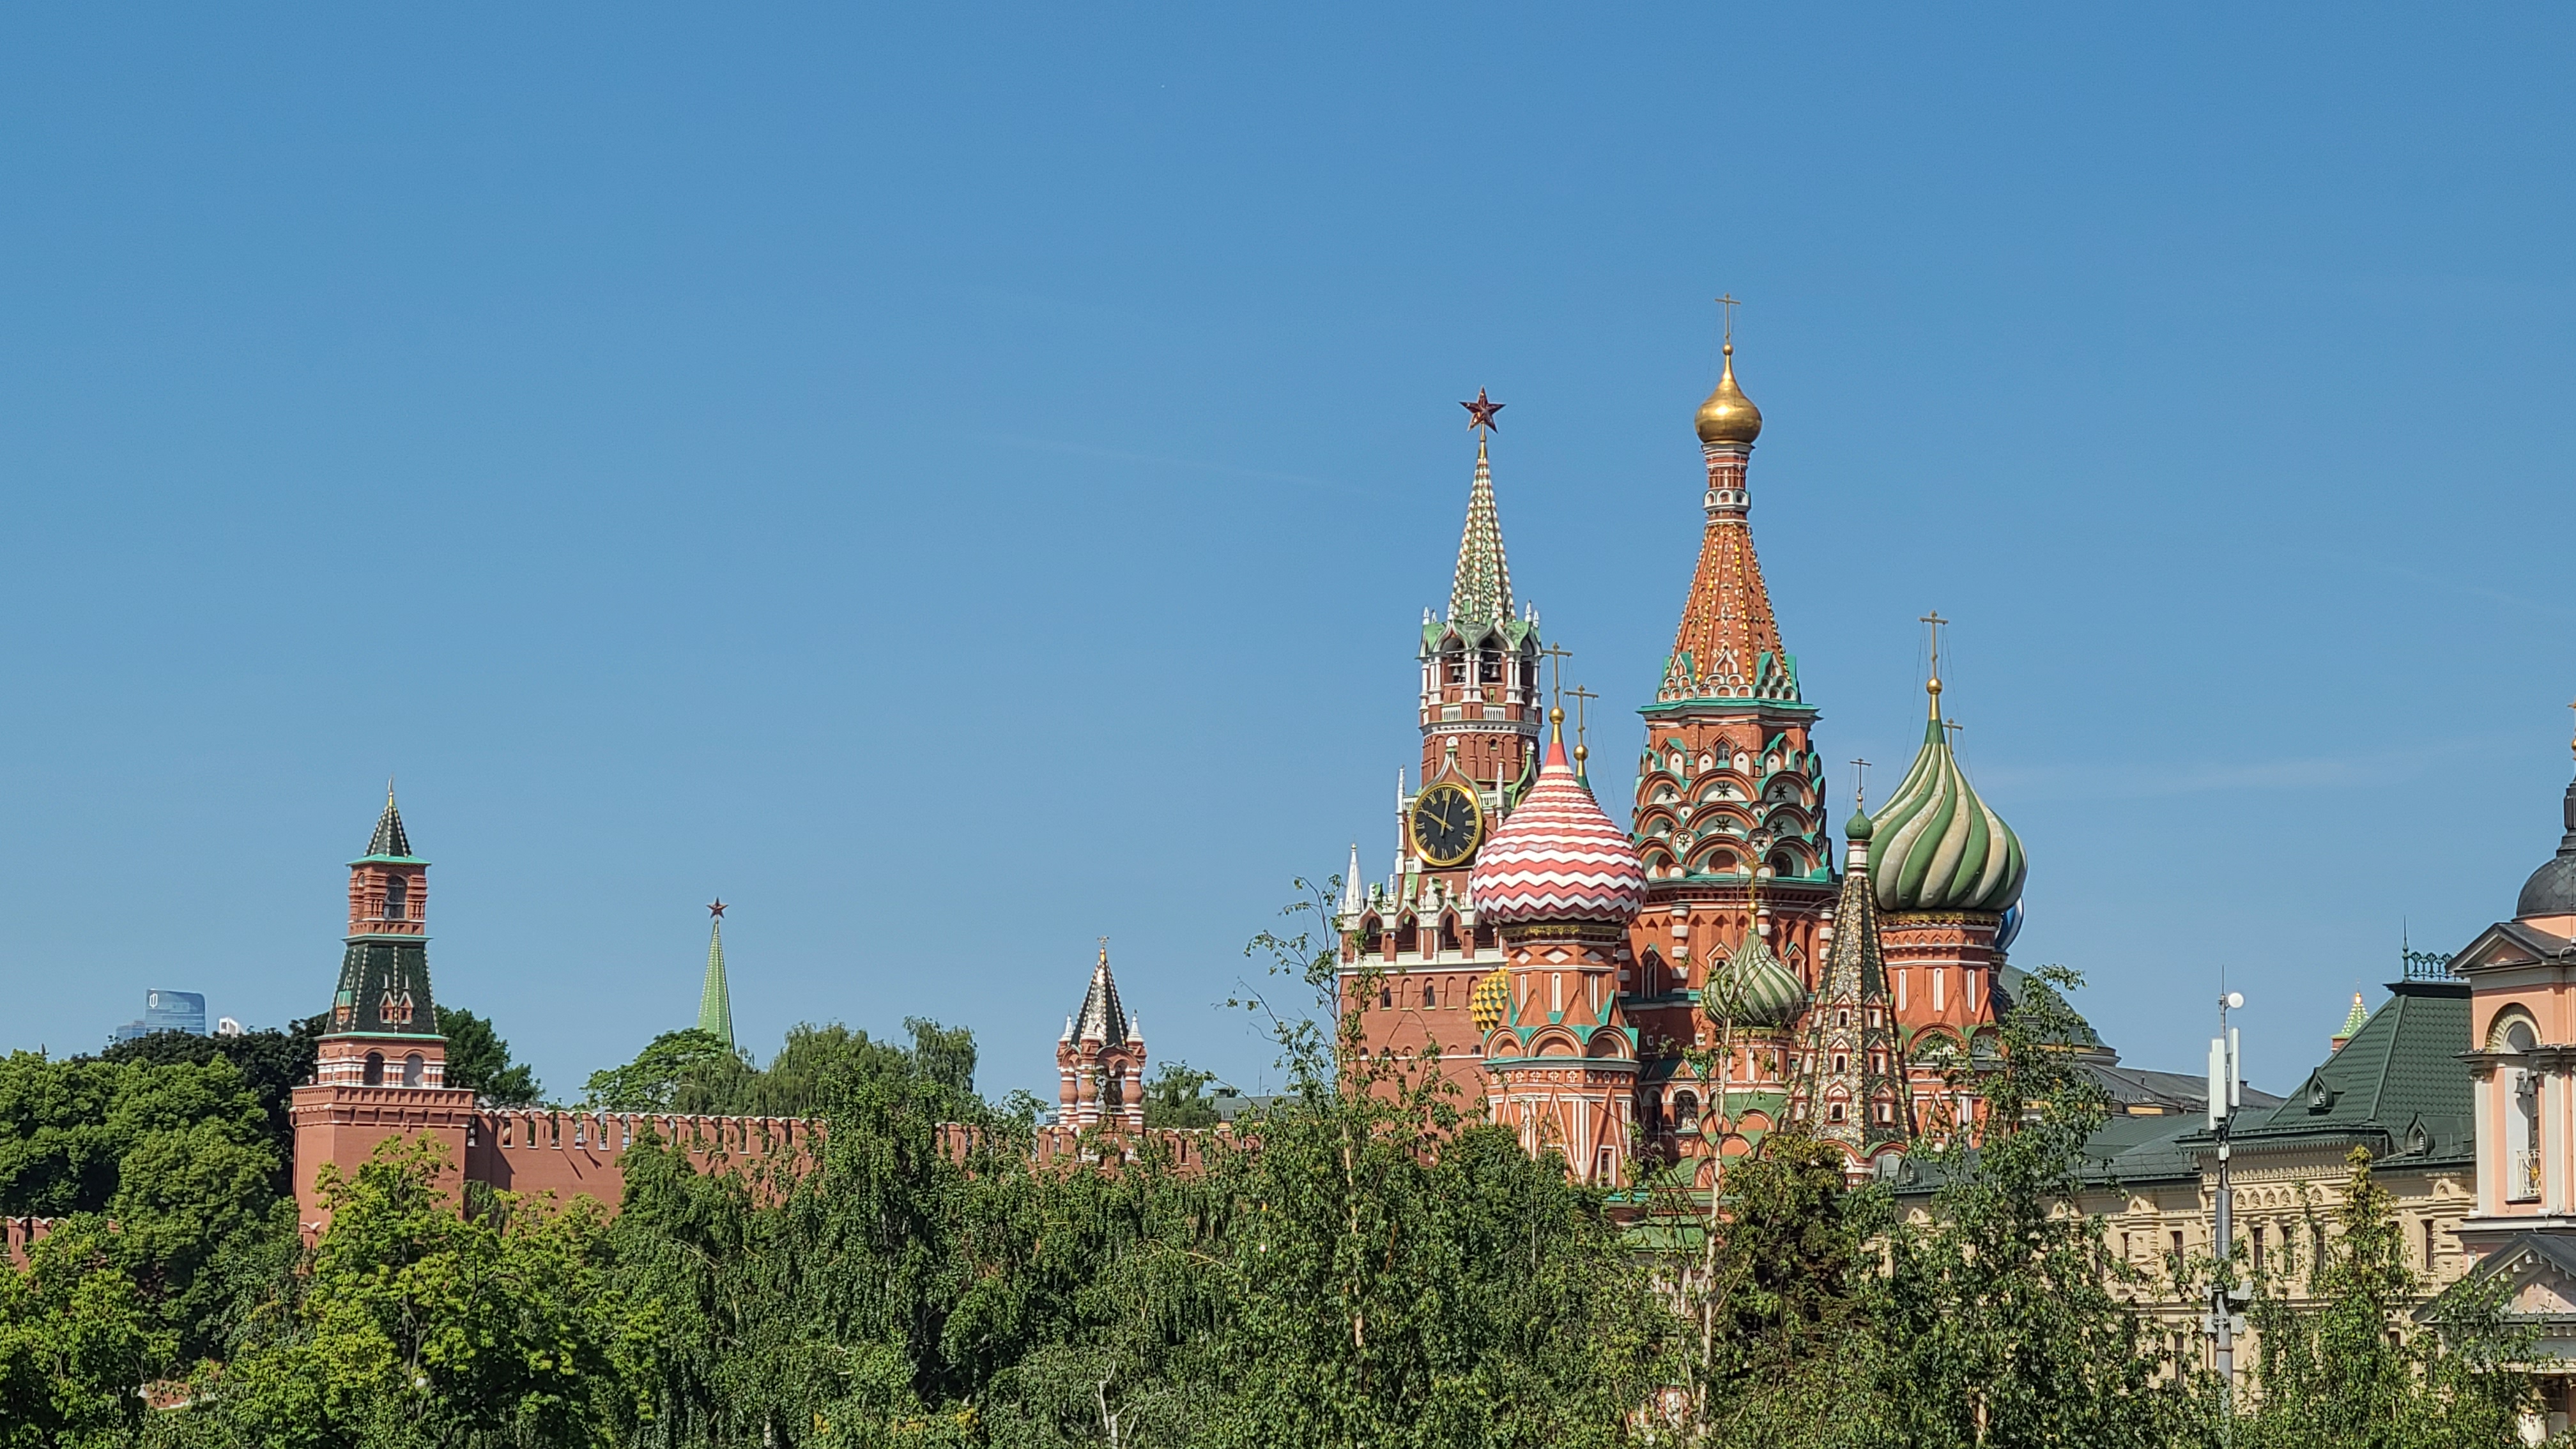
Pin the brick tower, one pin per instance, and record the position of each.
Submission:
(1727, 785)
(1948, 875)
(1100, 1060)
(1852, 1089)
(1560, 884)
(1479, 712)
(380, 1067)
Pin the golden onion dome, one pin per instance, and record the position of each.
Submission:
(1729, 416)
(1490, 999)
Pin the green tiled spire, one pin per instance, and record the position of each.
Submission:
(715, 1001)
(391, 841)
(1481, 592)
(2353, 1023)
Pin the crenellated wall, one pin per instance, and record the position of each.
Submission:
(529, 1151)
(22, 1234)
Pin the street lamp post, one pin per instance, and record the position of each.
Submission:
(2226, 1096)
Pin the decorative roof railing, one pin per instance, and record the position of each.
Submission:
(2428, 966)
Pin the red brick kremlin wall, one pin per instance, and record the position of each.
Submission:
(569, 1154)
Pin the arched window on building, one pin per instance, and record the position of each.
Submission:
(398, 898)
(375, 1069)
(1685, 1108)
(1448, 933)
(415, 1071)
(1430, 993)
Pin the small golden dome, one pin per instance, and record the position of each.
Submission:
(1729, 416)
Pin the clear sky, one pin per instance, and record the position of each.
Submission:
(961, 485)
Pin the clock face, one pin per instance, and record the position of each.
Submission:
(1447, 823)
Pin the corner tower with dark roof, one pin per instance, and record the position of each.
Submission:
(380, 1066)
(383, 1027)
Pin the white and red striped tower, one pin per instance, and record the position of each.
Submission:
(1560, 883)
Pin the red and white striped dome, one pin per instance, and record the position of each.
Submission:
(1557, 858)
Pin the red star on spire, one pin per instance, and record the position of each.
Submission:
(716, 908)
(1480, 413)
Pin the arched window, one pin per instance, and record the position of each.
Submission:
(1386, 996)
(1448, 933)
(1369, 935)
(1430, 993)
(1113, 1092)
(415, 1071)
(375, 1069)
(1834, 1112)
(1685, 1108)
(1485, 936)
(397, 897)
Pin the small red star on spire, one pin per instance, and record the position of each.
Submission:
(716, 908)
(1480, 413)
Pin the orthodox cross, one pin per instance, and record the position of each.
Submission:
(1480, 414)
(1729, 302)
(1932, 623)
(1579, 694)
(1860, 782)
(1556, 658)
(2570, 744)
(1953, 726)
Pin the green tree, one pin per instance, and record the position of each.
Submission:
(1999, 1322)
(416, 1325)
(76, 1340)
(479, 1061)
(271, 1063)
(1177, 1096)
(2352, 1369)
(679, 1071)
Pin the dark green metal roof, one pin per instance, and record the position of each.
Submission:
(2399, 1080)
(390, 842)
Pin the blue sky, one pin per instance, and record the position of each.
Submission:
(961, 485)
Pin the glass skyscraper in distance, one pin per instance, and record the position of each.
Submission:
(166, 1011)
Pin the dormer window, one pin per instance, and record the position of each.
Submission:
(398, 898)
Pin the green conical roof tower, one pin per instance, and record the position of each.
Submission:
(715, 1001)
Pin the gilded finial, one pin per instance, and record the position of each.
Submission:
(1729, 416)
(1556, 723)
(1933, 621)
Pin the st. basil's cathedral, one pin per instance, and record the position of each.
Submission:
(1677, 989)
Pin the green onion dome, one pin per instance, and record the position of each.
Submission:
(1936, 846)
(1858, 828)
(1753, 988)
